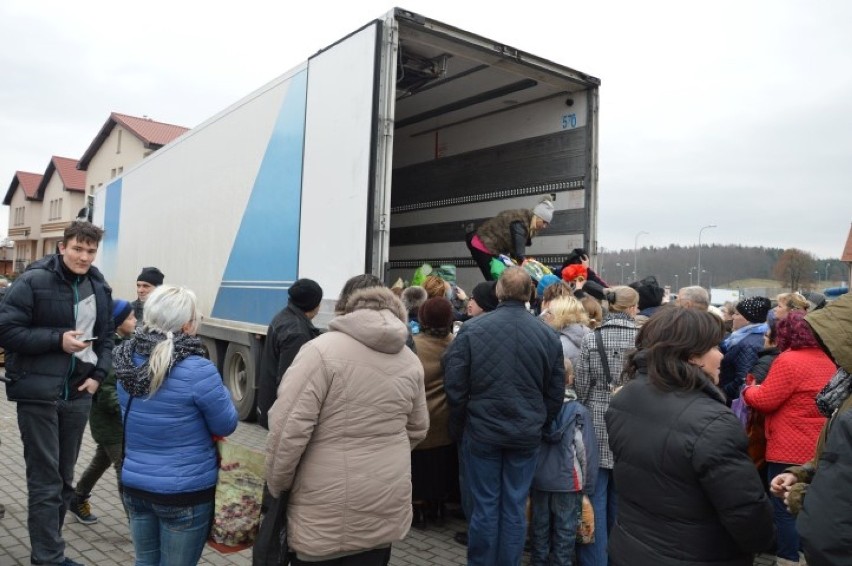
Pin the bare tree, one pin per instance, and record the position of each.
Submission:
(795, 268)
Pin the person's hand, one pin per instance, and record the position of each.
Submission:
(90, 385)
(584, 261)
(460, 294)
(70, 343)
(780, 484)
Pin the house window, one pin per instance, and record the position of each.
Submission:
(19, 216)
(118, 142)
(112, 174)
(120, 170)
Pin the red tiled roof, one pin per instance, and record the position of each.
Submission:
(28, 182)
(149, 131)
(153, 134)
(847, 250)
(72, 178)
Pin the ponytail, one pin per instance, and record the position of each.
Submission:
(160, 362)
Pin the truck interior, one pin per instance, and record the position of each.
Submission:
(479, 128)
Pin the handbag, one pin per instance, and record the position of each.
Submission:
(270, 546)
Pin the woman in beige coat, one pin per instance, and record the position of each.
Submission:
(349, 410)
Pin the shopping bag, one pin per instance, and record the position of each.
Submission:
(586, 523)
(239, 494)
(420, 274)
(270, 547)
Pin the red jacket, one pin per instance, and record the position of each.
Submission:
(787, 398)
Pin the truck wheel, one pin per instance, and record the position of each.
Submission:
(213, 353)
(238, 374)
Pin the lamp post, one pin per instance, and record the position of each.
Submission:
(636, 254)
(691, 270)
(826, 271)
(677, 285)
(622, 266)
(699, 250)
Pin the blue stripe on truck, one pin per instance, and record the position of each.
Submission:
(264, 260)
(112, 212)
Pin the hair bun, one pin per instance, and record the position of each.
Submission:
(610, 297)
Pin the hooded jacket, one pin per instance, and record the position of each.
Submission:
(349, 410)
(572, 341)
(688, 493)
(825, 521)
(508, 233)
(38, 309)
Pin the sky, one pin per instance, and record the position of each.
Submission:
(727, 113)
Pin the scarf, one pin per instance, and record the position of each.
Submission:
(137, 380)
(835, 392)
(737, 335)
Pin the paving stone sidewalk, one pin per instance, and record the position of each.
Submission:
(108, 543)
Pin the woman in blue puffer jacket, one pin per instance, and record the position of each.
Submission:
(173, 402)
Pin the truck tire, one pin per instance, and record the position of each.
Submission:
(213, 353)
(238, 375)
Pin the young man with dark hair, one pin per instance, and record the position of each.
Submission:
(56, 326)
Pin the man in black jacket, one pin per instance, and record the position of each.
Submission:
(289, 331)
(56, 326)
(504, 377)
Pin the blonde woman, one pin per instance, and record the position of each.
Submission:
(173, 402)
(598, 372)
(789, 302)
(509, 233)
(568, 317)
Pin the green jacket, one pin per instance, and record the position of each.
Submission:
(499, 236)
(105, 417)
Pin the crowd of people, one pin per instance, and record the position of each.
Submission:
(585, 423)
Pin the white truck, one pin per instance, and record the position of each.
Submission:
(719, 296)
(375, 155)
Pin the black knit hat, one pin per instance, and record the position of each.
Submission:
(151, 275)
(305, 294)
(650, 292)
(754, 309)
(485, 295)
(436, 313)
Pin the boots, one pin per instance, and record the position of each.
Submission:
(81, 509)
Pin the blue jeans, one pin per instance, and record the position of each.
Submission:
(554, 518)
(167, 535)
(51, 434)
(785, 523)
(603, 502)
(498, 481)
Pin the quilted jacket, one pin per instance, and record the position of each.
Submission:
(739, 359)
(507, 233)
(618, 332)
(169, 446)
(688, 493)
(786, 397)
(504, 376)
(349, 410)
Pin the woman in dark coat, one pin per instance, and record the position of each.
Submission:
(688, 491)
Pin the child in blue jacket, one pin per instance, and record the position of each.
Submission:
(566, 470)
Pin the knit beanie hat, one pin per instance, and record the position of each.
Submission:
(121, 309)
(485, 295)
(545, 282)
(151, 275)
(544, 210)
(305, 294)
(436, 313)
(650, 292)
(754, 309)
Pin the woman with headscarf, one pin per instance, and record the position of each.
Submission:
(349, 410)
(688, 491)
(509, 233)
(174, 402)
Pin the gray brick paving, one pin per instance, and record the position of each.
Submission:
(108, 542)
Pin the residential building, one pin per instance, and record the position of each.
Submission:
(122, 142)
(62, 192)
(24, 217)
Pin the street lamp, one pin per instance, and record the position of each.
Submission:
(699, 250)
(826, 271)
(636, 255)
(691, 271)
(677, 285)
(622, 266)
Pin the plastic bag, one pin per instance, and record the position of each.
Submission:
(586, 523)
(535, 269)
(420, 274)
(239, 494)
(447, 272)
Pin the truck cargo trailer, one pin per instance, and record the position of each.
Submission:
(375, 155)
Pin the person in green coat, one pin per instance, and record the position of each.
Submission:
(105, 424)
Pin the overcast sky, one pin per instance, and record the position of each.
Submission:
(731, 113)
